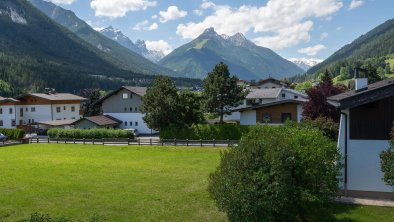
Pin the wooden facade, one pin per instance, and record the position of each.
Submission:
(277, 114)
(372, 121)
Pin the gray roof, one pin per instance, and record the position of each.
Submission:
(103, 120)
(297, 101)
(141, 91)
(354, 98)
(264, 93)
(57, 96)
(58, 122)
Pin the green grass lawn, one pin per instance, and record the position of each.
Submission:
(121, 184)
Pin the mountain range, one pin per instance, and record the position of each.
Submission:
(244, 58)
(138, 47)
(305, 63)
(36, 52)
(127, 59)
(378, 42)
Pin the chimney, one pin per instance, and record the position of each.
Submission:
(361, 79)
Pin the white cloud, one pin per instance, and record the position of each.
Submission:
(339, 28)
(355, 3)
(119, 8)
(172, 13)
(198, 12)
(313, 50)
(155, 16)
(160, 45)
(278, 24)
(207, 4)
(145, 26)
(324, 35)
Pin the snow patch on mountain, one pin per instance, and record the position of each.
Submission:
(305, 63)
(138, 47)
(15, 16)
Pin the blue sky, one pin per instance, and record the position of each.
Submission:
(292, 28)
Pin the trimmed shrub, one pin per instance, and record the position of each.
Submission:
(277, 173)
(89, 133)
(13, 134)
(387, 163)
(328, 127)
(206, 132)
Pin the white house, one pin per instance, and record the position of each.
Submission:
(366, 121)
(124, 104)
(262, 96)
(39, 107)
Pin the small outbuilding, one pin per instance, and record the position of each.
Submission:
(103, 121)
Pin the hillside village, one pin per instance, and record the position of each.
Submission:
(95, 126)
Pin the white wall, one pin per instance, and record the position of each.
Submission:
(132, 117)
(234, 116)
(6, 117)
(66, 113)
(300, 110)
(364, 172)
(248, 117)
(42, 113)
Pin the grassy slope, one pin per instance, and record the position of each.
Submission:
(122, 184)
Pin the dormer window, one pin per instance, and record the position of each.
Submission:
(283, 95)
(125, 95)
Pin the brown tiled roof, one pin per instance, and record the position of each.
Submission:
(57, 96)
(103, 120)
(374, 92)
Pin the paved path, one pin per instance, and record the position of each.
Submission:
(370, 202)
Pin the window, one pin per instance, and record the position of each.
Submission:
(27, 109)
(64, 107)
(283, 95)
(131, 109)
(33, 109)
(1, 123)
(29, 121)
(13, 122)
(21, 112)
(295, 97)
(125, 95)
(32, 120)
(20, 122)
(73, 118)
(136, 109)
(285, 117)
(125, 123)
(72, 108)
(10, 110)
(58, 109)
(1, 111)
(131, 123)
(136, 123)
(267, 118)
(125, 109)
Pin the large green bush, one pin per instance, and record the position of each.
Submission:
(387, 163)
(328, 127)
(13, 134)
(277, 173)
(206, 132)
(89, 133)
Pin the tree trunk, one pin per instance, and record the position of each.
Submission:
(221, 115)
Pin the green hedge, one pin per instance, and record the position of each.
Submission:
(13, 134)
(206, 132)
(89, 133)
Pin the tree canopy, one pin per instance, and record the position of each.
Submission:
(221, 92)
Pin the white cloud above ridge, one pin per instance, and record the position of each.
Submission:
(172, 13)
(355, 4)
(312, 50)
(287, 21)
(159, 45)
(323, 36)
(119, 8)
(145, 26)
